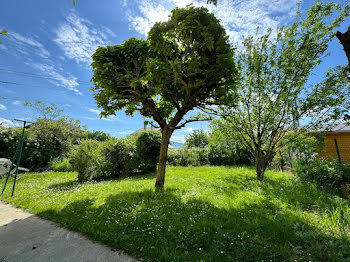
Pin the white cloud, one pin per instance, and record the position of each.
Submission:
(110, 118)
(78, 38)
(123, 3)
(28, 48)
(27, 45)
(238, 17)
(150, 14)
(109, 31)
(8, 123)
(17, 103)
(124, 133)
(188, 130)
(96, 111)
(90, 118)
(178, 139)
(68, 82)
(3, 107)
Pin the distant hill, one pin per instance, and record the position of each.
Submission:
(175, 144)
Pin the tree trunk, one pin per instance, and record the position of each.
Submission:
(344, 39)
(260, 164)
(163, 155)
(259, 170)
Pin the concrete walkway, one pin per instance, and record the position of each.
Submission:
(25, 237)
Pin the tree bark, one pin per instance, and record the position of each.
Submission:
(260, 164)
(344, 39)
(166, 134)
(259, 170)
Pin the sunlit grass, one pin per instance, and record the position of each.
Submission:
(204, 214)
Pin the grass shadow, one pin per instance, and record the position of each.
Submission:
(160, 226)
(296, 194)
(65, 186)
(73, 184)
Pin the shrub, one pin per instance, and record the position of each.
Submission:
(86, 160)
(225, 154)
(197, 139)
(221, 155)
(117, 158)
(147, 150)
(184, 156)
(97, 135)
(61, 165)
(328, 175)
(176, 156)
(44, 141)
(212, 155)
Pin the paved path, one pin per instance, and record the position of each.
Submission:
(25, 237)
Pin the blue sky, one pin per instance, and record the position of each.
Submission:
(47, 54)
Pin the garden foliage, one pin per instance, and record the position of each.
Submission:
(85, 159)
(61, 165)
(117, 158)
(44, 141)
(147, 150)
(328, 175)
(95, 160)
(202, 149)
(197, 139)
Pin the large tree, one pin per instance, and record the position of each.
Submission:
(185, 63)
(275, 95)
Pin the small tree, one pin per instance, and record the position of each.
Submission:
(197, 139)
(45, 111)
(274, 95)
(185, 63)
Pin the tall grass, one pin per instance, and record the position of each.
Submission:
(203, 214)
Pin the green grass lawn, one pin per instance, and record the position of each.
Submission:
(204, 214)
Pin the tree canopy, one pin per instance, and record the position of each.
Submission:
(197, 139)
(45, 111)
(185, 63)
(274, 93)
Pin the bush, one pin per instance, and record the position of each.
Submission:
(147, 150)
(44, 141)
(117, 158)
(221, 155)
(97, 135)
(86, 160)
(328, 175)
(184, 156)
(197, 139)
(224, 154)
(213, 155)
(61, 165)
(95, 160)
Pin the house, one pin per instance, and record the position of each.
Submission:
(340, 135)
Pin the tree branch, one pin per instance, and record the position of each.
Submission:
(190, 121)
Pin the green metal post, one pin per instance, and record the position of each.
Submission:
(19, 157)
(9, 172)
(337, 148)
